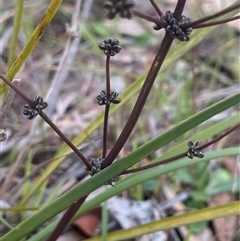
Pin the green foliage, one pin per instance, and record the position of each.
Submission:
(198, 227)
(221, 181)
(99, 29)
(145, 38)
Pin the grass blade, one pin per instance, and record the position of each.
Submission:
(32, 42)
(176, 221)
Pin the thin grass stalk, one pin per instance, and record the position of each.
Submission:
(31, 43)
(16, 30)
(204, 214)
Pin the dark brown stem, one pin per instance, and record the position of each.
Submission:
(170, 159)
(147, 86)
(219, 137)
(217, 22)
(107, 107)
(144, 16)
(65, 139)
(179, 9)
(66, 218)
(16, 89)
(156, 8)
(184, 154)
(105, 130)
(202, 20)
(44, 116)
(108, 88)
(7, 103)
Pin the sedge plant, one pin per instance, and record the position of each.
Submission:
(106, 168)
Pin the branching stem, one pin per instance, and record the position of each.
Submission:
(194, 24)
(45, 117)
(147, 86)
(184, 154)
(219, 137)
(149, 18)
(217, 22)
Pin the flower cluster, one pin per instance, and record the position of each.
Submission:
(110, 47)
(31, 112)
(96, 165)
(103, 99)
(192, 151)
(174, 27)
(119, 6)
(3, 135)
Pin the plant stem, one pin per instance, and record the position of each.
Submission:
(170, 159)
(167, 160)
(219, 137)
(16, 89)
(179, 9)
(202, 20)
(217, 22)
(108, 88)
(149, 18)
(66, 219)
(156, 8)
(45, 117)
(105, 130)
(107, 108)
(7, 102)
(147, 86)
(66, 140)
(16, 29)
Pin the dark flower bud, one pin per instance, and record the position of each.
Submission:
(113, 98)
(103, 99)
(95, 165)
(193, 151)
(31, 112)
(121, 7)
(110, 47)
(174, 27)
(3, 135)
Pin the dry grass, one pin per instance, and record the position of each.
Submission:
(70, 73)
